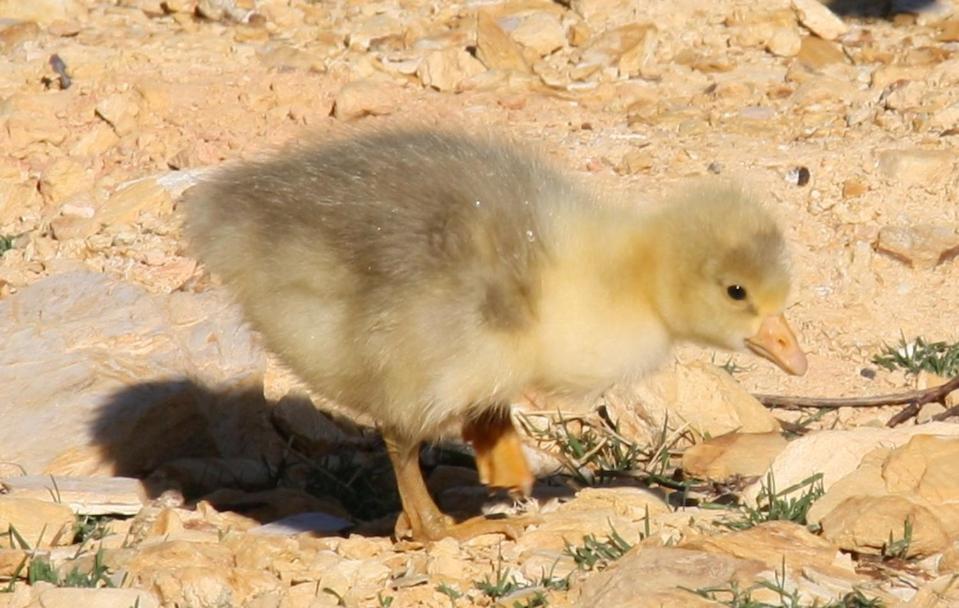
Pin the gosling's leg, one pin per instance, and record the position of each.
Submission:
(499, 452)
(421, 517)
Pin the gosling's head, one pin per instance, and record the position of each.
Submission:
(724, 276)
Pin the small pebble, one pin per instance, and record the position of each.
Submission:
(798, 176)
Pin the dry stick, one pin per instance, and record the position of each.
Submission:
(915, 399)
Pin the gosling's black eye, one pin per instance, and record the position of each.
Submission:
(736, 292)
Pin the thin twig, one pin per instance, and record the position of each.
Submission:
(936, 393)
(953, 411)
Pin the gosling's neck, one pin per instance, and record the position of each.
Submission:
(599, 322)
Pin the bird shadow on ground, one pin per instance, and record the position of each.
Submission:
(231, 448)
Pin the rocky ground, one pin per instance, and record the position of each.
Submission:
(151, 454)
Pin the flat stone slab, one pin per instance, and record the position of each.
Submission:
(84, 495)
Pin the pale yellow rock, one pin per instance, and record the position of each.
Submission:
(770, 542)
(197, 574)
(946, 118)
(819, 19)
(39, 523)
(942, 592)
(836, 454)
(784, 42)
(19, 198)
(125, 205)
(636, 161)
(13, 561)
(704, 399)
(120, 110)
(907, 96)
(949, 564)
(362, 547)
(365, 98)
(494, 48)
(444, 70)
(864, 524)
(541, 31)
(816, 53)
(95, 141)
(64, 178)
(69, 227)
(744, 454)
(917, 167)
(84, 495)
(41, 11)
(96, 598)
(646, 575)
(598, 11)
(374, 29)
(927, 466)
(920, 245)
(929, 411)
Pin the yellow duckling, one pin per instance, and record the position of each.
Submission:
(427, 279)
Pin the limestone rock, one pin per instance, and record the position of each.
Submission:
(745, 454)
(836, 454)
(125, 205)
(113, 399)
(705, 398)
(364, 98)
(444, 70)
(784, 42)
(41, 11)
(95, 598)
(40, 523)
(817, 53)
(770, 542)
(64, 178)
(599, 11)
(916, 481)
(921, 246)
(917, 167)
(120, 111)
(84, 495)
(13, 561)
(819, 19)
(943, 591)
(197, 574)
(946, 118)
(638, 578)
(374, 30)
(71, 227)
(866, 523)
(541, 31)
(495, 48)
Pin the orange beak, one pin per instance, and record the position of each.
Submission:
(776, 341)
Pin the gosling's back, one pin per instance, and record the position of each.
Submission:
(395, 272)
